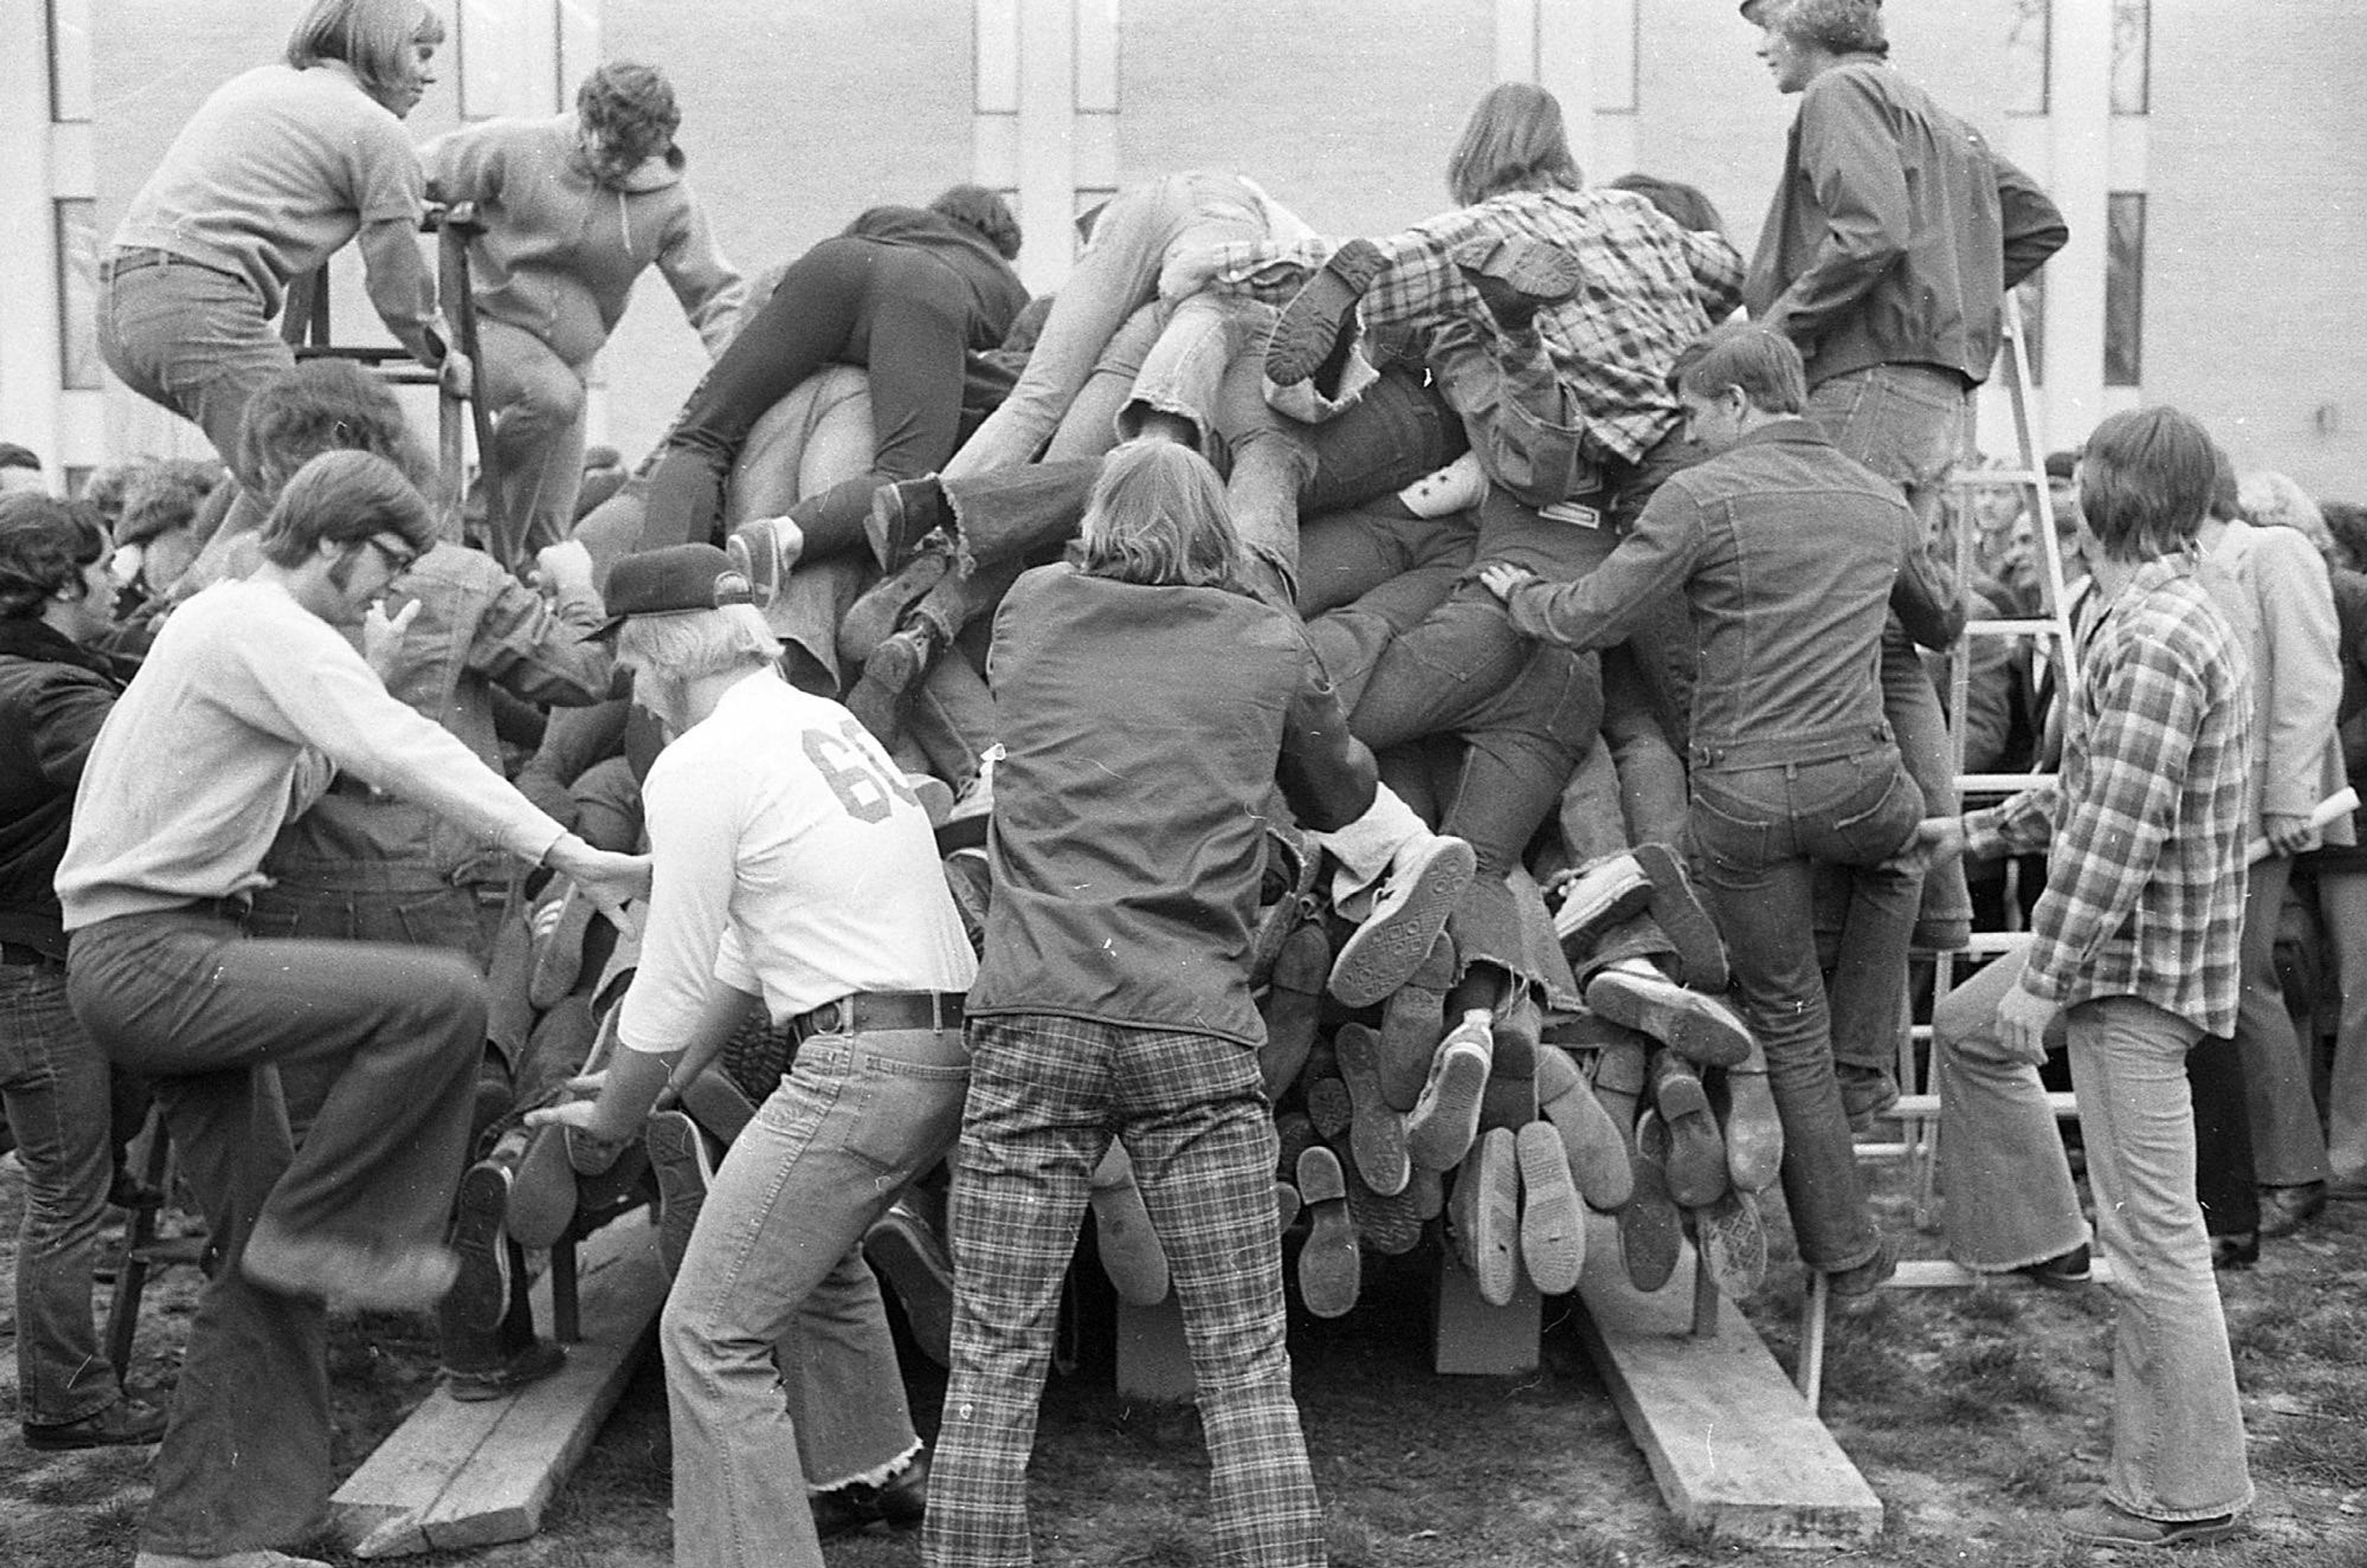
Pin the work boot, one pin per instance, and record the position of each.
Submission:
(1696, 1154)
(1330, 1264)
(1311, 327)
(1516, 274)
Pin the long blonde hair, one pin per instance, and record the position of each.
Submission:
(1158, 517)
(1513, 140)
(378, 39)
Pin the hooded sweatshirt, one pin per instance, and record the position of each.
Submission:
(561, 251)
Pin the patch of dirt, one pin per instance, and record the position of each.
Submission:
(1977, 1416)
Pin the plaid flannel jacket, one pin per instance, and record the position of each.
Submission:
(1650, 287)
(2144, 885)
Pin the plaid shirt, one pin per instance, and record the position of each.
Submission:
(2144, 885)
(1650, 289)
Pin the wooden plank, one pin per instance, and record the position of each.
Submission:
(1736, 1453)
(461, 1474)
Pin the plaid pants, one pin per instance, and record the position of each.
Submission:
(1045, 1095)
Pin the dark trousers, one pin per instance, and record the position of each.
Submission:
(899, 312)
(185, 999)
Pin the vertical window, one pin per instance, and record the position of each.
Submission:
(2131, 56)
(479, 36)
(68, 23)
(2028, 57)
(2125, 235)
(76, 241)
(1614, 55)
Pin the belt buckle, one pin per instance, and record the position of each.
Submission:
(826, 1019)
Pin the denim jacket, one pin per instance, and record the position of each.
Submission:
(1792, 554)
(477, 628)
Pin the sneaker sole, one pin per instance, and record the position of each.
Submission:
(1494, 1207)
(1442, 1126)
(1733, 1243)
(1384, 953)
(481, 1291)
(1694, 1026)
(1377, 1132)
(1552, 1220)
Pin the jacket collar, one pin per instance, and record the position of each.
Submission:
(1790, 429)
(22, 638)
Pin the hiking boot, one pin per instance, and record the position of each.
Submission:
(1425, 880)
(896, 665)
(1311, 326)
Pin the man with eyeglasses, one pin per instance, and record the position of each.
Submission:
(249, 701)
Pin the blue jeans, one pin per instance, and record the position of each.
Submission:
(1906, 423)
(1047, 1095)
(2178, 1432)
(1758, 834)
(2010, 1202)
(182, 998)
(537, 406)
(193, 341)
(53, 1084)
(1141, 230)
(777, 1257)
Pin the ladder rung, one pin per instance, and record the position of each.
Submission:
(2034, 627)
(1940, 1273)
(1925, 1107)
(2001, 784)
(1983, 944)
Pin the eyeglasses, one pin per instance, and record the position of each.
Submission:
(398, 558)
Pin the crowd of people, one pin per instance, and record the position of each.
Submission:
(1342, 738)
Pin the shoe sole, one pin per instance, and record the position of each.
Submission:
(1541, 272)
(1377, 1132)
(1552, 1220)
(475, 1388)
(1494, 1210)
(1754, 1132)
(1387, 1222)
(1733, 1244)
(1130, 1248)
(1592, 1143)
(1309, 326)
(1331, 1263)
(1444, 1122)
(685, 1171)
(922, 1282)
(1694, 1026)
(481, 1291)
(1651, 1232)
(1413, 1021)
(1384, 953)
(1579, 926)
(1293, 1005)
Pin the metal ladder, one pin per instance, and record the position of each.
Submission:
(1918, 1109)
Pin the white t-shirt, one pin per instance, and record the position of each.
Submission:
(791, 862)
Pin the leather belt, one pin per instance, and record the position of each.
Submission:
(867, 1011)
(134, 258)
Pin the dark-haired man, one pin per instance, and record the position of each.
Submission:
(249, 698)
(1793, 555)
(54, 693)
(2137, 942)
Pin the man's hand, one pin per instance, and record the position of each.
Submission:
(1939, 838)
(589, 1149)
(382, 636)
(564, 570)
(2021, 1025)
(2288, 833)
(456, 375)
(1500, 578)
(610, 879)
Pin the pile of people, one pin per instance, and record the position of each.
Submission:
(1297, 735)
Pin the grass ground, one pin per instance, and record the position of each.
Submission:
(1977, 1416)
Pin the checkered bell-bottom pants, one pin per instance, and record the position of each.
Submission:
(1045, 1095)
